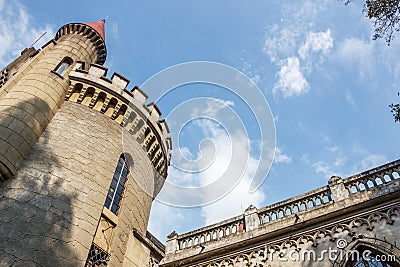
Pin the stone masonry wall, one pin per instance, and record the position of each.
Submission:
(51, 208)
(33, 98)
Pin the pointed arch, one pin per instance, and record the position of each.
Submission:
(370, 252)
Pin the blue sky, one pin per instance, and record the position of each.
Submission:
(327, 83)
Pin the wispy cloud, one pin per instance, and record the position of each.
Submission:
(332, 149)
(295, 47)
(213, 107)
(322, 167)
(350, 100)
(17, 31)
(331, 168)
(357, 54)
(316, 42)
(281, 157)
(113, 29)
(372, 161)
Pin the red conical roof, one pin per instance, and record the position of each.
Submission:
(98, 26)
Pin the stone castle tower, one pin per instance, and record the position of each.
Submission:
(81, 158)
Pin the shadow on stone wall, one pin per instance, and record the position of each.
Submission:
(36, 210)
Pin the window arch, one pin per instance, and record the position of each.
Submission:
(118, 185)
(63, 66)
(370, 257)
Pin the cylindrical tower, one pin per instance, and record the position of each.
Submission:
(83, 193)
(34, 95)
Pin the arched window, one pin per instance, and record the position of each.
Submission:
(117, 187)
(65, 64)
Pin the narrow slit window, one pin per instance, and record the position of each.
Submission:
(117, 186)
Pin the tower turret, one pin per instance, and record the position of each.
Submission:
(30, 99)
(81, 156)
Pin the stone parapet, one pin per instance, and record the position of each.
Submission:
(90, 87)
(327, 204)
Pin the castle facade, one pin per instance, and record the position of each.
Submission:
(81, 158)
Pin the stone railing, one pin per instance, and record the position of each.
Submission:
(230, 227)
(304, 202)
(372, 179)
(338, 189)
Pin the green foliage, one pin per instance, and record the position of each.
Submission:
(385, 15)
(395, 109)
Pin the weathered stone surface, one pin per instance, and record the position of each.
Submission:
(318, 228)
(63, 155)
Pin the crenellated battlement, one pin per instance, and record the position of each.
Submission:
(86, 29)
(91, 87)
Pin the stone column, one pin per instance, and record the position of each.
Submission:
(251, 218)
(337, 188)
(172, 243)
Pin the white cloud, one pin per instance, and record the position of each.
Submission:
(236, 200)
(356, 54)
(372, 161)
(223, 164)
(329, 169)
(113, 29)
(158, 225)
(280, 43)
(239, 162)
(368, 161)
(255, 78)
(280, 157)
(284, 39)
(325, 138)
(340, 161)
(316, 42)
(350, 100)
(295, 36)
(239, 197)
(322, 167)
(332, 149)
(17, 31)
(214, 105)
(291, 80)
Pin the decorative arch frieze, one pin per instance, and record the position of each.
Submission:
(261, 255)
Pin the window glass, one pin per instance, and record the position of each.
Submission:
(373, 258)
(63, 66)
(120, 189)
(117, 186)
(108, 201)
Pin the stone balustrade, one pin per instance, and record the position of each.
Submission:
(372, 179)
(338, 189)
(304, 202)
(230, 227)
